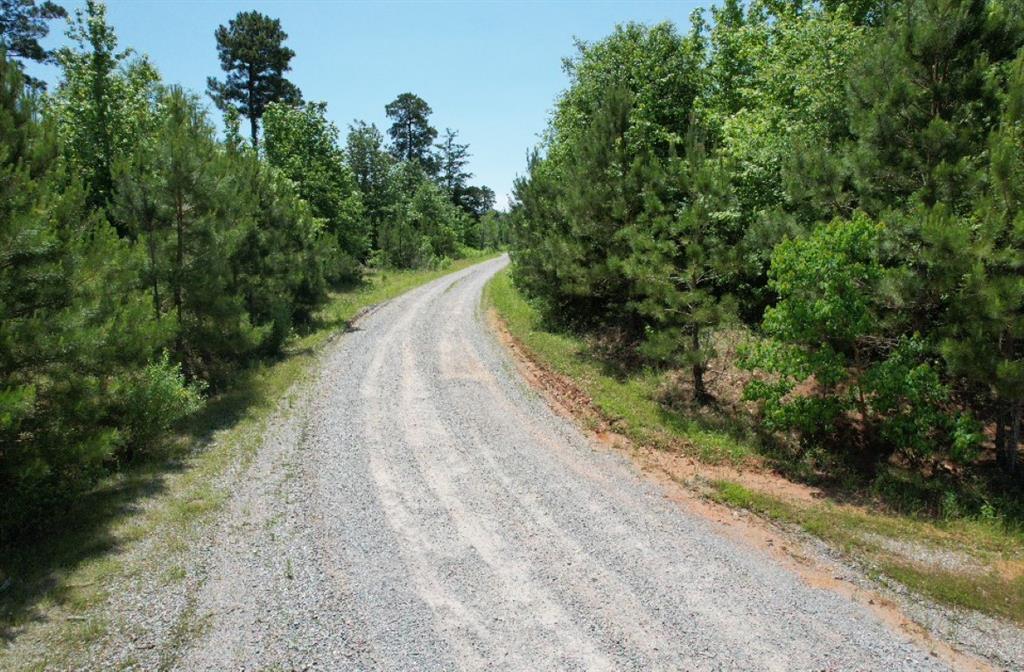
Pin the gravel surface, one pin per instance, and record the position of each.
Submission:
(423, 509)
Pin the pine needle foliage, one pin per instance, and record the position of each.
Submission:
(852, 199)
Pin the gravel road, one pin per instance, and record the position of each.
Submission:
(422, 509)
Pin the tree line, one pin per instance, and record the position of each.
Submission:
(145, 259)
(841, 180)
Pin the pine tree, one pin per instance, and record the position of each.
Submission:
(253, 56)
(188, 207)
(682, 256)
(476, 200)
(281, 265)
(411, 134)
(601, 196)
(978, 260)
(539, 229)
(922, 92)
(452, 159)
(22, 24)
(78, 344)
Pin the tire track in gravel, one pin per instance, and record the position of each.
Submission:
(438, 515)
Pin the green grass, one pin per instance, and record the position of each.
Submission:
(630, 403)
(862, 534)
(60, 576)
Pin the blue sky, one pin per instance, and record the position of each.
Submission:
(490, 70)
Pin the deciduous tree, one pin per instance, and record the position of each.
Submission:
(371, 164)
(303, 144)
(103, 104)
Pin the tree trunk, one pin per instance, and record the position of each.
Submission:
(251, 97)
(1011, 449)
(152, 270)
(1000, 436)
(179, 214)
(700, 392)
(1008, 429)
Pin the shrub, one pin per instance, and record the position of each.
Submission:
(153, 400)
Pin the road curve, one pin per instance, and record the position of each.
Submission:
(423, 509)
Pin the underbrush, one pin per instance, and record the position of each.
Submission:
(885, 521)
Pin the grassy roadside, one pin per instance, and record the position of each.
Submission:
(965, 563)
(976, 563)
(52, 585)
(628, 404)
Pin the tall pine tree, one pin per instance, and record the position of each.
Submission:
(412, 136)
(452, 159)
(22, 24)
(254, 59)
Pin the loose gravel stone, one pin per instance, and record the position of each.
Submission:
(442, 517)
(421, 508)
